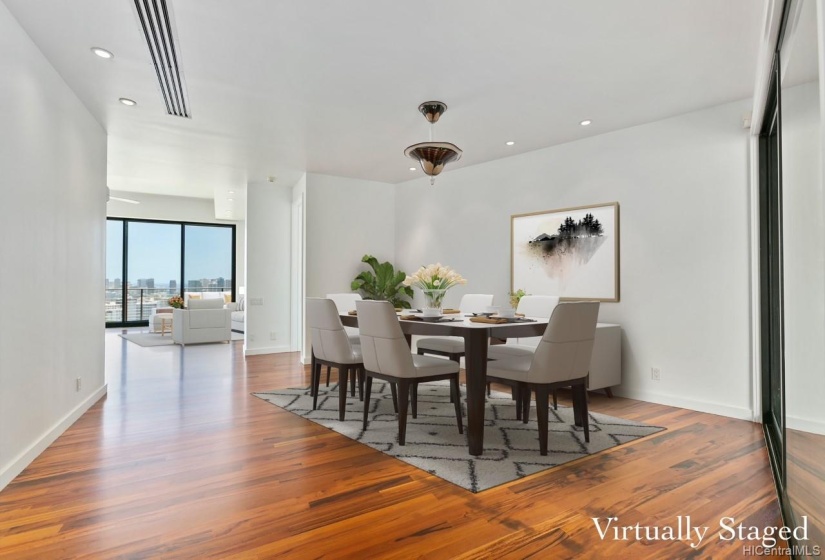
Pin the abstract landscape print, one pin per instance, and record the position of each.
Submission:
(572, 253)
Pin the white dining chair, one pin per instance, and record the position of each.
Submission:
(539, 307)
(345, 302)
(453, 346)
(561, 359)
(387, 356)
(332, 347)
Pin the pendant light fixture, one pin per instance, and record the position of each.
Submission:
(433, 156)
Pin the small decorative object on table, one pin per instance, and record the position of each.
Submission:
(434, 281)
(176, 302)
(515, 297)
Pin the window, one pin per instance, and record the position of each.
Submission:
(148, 261)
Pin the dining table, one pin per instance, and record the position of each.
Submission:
(476, 337)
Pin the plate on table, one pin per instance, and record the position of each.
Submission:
(431, 318)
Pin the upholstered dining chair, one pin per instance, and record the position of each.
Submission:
(345, 302)
(387, 356)
(332, 347)
(561, 359)
(453, 346)
(540, 307)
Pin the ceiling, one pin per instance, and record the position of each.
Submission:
(332, 86)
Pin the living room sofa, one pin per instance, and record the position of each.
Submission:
(204, 321)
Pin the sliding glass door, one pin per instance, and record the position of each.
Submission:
(153, 262)
(792, 281)
(149, 261)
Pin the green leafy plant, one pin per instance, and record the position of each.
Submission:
(516, 296)
(382, 283)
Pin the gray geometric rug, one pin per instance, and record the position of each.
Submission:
(511, 448)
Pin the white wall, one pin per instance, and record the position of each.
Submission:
(682, 186)
(52, 234)
(268, 275)
(183, 209)
(345, 219)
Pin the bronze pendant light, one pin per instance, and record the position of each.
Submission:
(433, 156)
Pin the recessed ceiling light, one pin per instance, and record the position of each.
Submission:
(127, 101)
(585, 122)
(102, 53)
(412, 168)
(231, 192)
(509, 142)
(230, 199)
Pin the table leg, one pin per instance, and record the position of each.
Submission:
(475, 360)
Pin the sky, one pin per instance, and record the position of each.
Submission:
(154, 251)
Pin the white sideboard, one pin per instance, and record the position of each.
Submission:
(606, 363)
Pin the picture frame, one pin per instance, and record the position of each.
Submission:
(569, 252)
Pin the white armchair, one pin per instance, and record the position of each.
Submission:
(204, 321)
(237, 310)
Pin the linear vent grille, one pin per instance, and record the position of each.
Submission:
(159, 33)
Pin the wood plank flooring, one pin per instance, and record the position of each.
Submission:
(180, 461)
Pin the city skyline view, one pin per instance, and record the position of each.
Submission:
(153, 265)
(154, 252)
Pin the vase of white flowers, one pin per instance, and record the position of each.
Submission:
(434, 281)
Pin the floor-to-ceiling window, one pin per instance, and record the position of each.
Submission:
(149, 261)
(792, 284)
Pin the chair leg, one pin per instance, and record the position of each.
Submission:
(525, 402)
(542, 404)
(574, 396)
(489, 389)
(361, 382)
(585, 417)
(517, 398)
(403, 405)
(609, 392)
(316, 382)
(352, 381)
(555, 400)
(394, 397)
(367, 391)
(312, 374)
(329, 368)
(457, 402)
(414, 398)
(343, 372)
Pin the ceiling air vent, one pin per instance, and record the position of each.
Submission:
(159, 32)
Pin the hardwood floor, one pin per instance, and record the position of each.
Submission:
(180, 461)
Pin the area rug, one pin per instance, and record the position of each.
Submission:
(511, 448)
(148, 340)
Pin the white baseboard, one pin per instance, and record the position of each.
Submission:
(805, 425)
(266, 350)
(26, 457)
(740, 413)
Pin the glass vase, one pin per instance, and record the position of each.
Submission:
(433, 301)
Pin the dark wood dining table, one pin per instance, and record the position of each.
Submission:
(476, 337)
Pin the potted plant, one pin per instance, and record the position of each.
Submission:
(176, 302)
(434, 281)
(383, 283)
(515, 297)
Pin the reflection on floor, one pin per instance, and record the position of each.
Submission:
(806, 481)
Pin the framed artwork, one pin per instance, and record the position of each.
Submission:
(572, 253)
